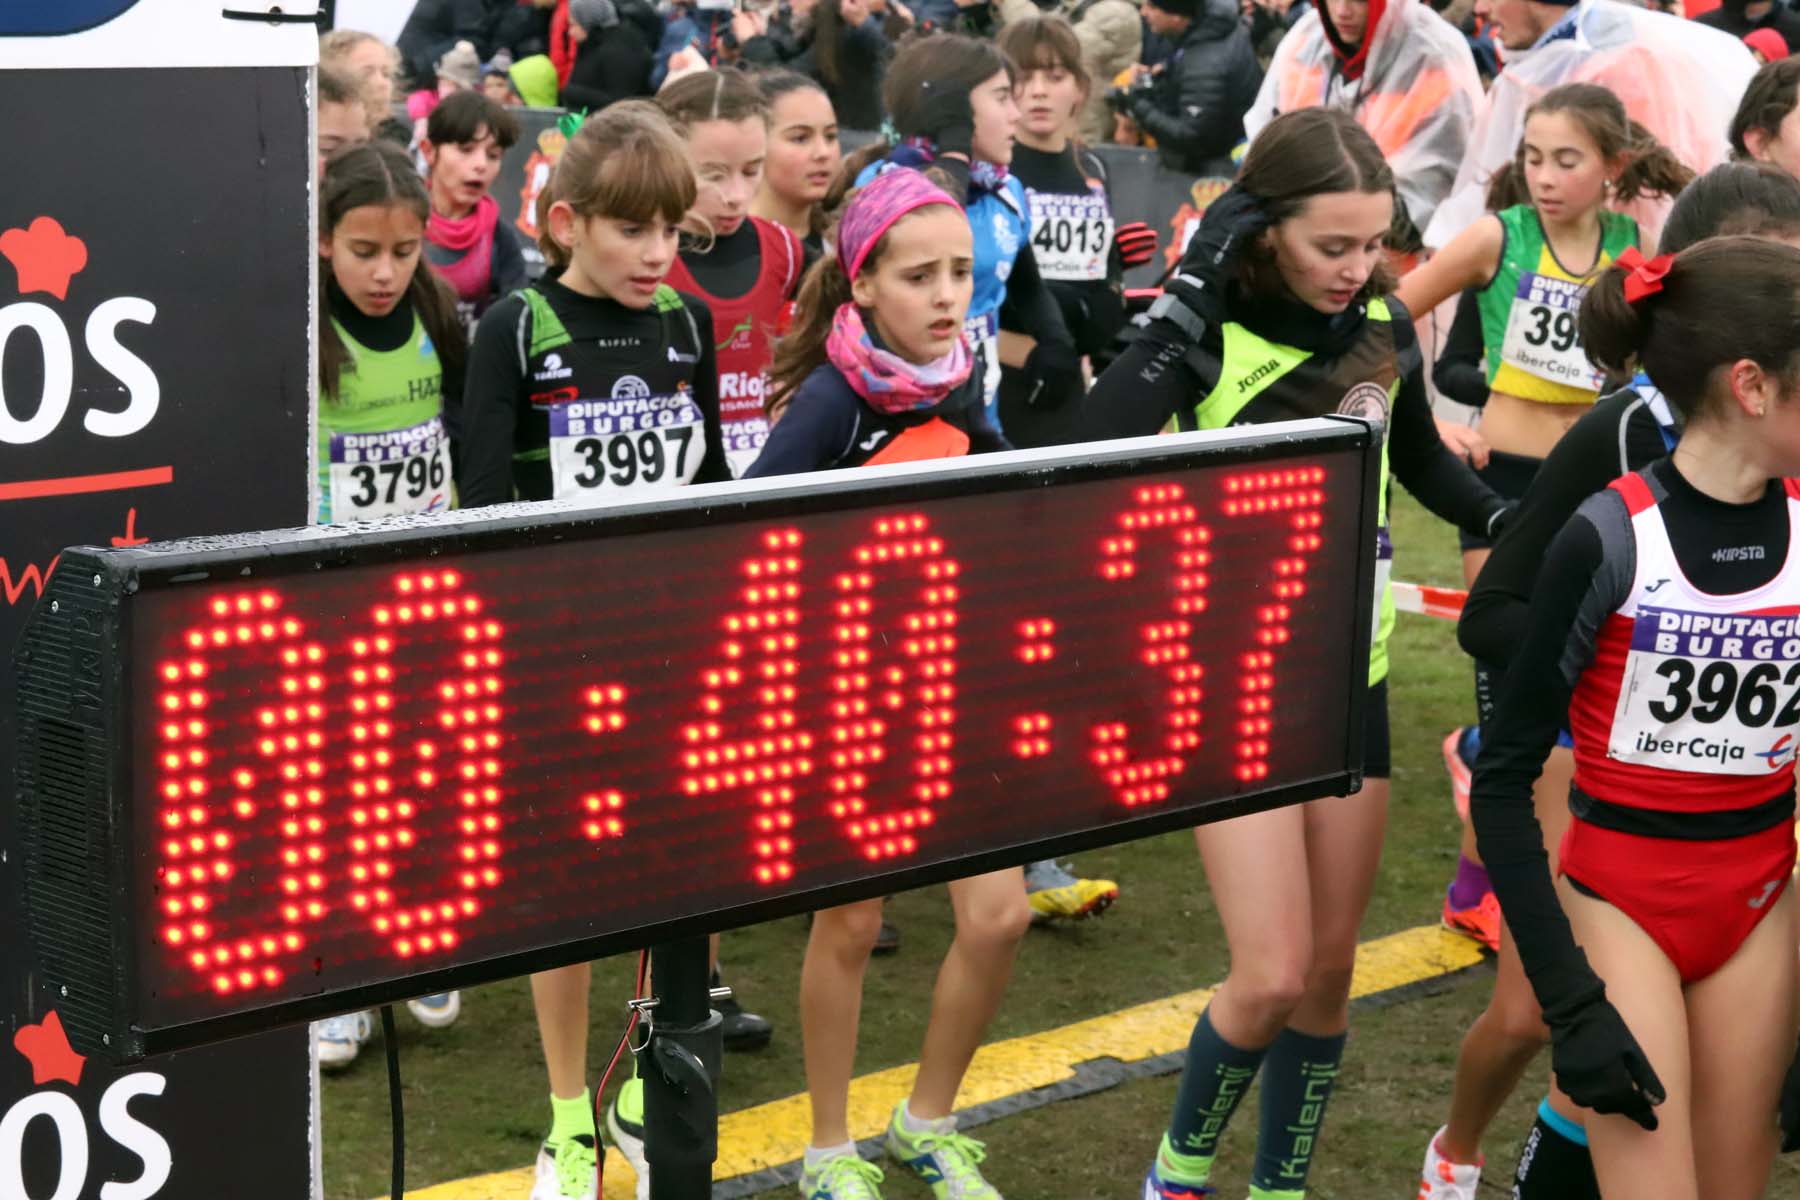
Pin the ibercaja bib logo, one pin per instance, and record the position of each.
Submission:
(47, 259)
(53, 1110)
(51, 18)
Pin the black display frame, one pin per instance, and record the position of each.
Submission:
(91, 597)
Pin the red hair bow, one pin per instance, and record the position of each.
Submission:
(1646, 274)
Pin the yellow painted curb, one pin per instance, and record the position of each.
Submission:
(771, 1134)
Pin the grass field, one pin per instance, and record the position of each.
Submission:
(475, 1093)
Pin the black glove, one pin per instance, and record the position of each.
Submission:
(1206, 265)
(1052, 375)
(946, 117)
(1790, 1108)
(1136, 242)
(1599, 1064)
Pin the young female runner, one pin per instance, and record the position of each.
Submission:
(479, 255)
(746, 268)
(803, 157)
(599, 381)
(1079, 249)
(1288, 265)
(390, 351)
(1532, 263)
(877, 370)
(1663, 957)
(950, 101)
(631, 401)
(1623, 432)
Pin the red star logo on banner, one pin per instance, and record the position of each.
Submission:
(47, 1046)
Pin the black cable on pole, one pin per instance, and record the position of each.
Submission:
(396, 1106)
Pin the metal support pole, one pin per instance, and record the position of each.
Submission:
(680, 1067)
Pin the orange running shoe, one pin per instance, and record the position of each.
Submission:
(1482, 922)
(1460, 776)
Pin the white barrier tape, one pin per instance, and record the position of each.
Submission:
(1429, 601)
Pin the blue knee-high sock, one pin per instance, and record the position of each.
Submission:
(1298, 1076)
(1214, 1080)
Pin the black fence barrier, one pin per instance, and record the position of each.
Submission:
(1142, 188)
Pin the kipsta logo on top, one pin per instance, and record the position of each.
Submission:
(53, 1061)
(47, 258)
(49, 18)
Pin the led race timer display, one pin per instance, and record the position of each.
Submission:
(465, 747)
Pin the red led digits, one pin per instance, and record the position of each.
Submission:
(909, 695)
(407, 772)
(601, 810)
(1167, 644)
(748, 737)
(216, 791)
(1293, 497)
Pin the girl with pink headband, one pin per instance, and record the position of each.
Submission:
(878, 369)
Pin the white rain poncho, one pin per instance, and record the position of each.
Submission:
(1417, 97)
(1679, 79)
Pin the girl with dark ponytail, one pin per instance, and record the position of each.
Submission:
(1662, 951)
(1624, 432)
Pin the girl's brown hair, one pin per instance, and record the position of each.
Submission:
(1651, 168)
(1734, 198)
(711, 96)
(940, 60)
(779, 82)
(380, 173)
(1042, 42)
(625, 163)
(1305, 153)
(1724, 299)
(1772, 94)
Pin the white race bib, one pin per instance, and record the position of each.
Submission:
(625, 443)
(1541, 336)
(1717, 695)
(1070, 235)
(396, 473)
(984, 341)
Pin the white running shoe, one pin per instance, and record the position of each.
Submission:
(1446, 1180)
(438, 1011)
(341, 1039)
(567, 1175)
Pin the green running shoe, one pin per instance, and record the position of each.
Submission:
(948, 1161)
(568, 1172)
(841, 1177)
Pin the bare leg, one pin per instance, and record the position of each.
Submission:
(1741, 1038)
(1510, 1031)
(992, 915)
(1256, 869)
(1643, 985)
(1343, 854)
(561, 1000)
(831, 979)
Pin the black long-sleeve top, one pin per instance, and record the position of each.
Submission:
(1587, 574)
(1619, 434)
(826, 425)
(1158, 376)
(1461, 370)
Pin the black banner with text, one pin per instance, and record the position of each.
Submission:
(154, 383)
